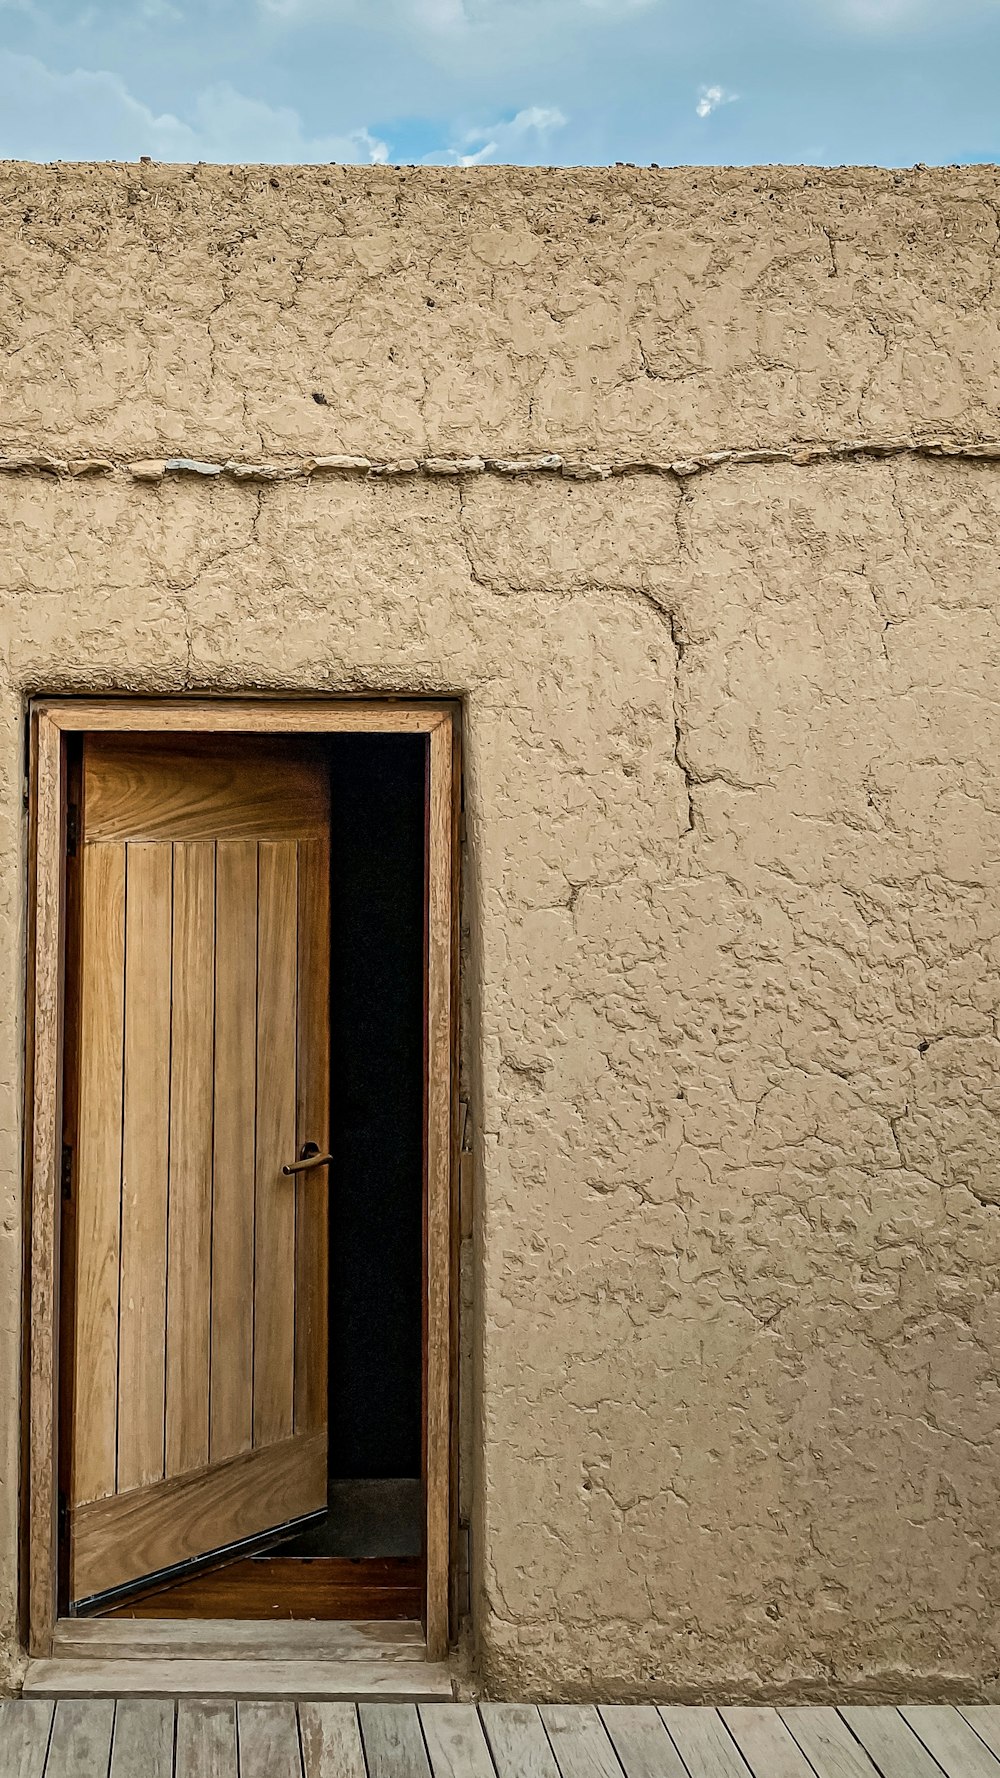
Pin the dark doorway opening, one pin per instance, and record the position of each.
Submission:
(376, 1101)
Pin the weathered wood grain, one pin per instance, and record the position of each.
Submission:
(80, 1744)
(890, 1742)
(703, 1742)
(456, 1745)
(331, 1741)
(579, 1741)
(824, 1736)
(393, 1742)
(766, 1744)
(641, 1741)
(25, 1727)
(268, 1741)
(955, 1745)
(143, 1742)
(206, 1740)
(985, 1720)
(518, 1742)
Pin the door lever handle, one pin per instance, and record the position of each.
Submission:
(309, 1156)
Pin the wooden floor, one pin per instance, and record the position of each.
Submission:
(149, 1738)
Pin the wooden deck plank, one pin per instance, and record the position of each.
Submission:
(956, 1747)
(25, 1727)
(80, 1744)
(518, 1742)
(985, 1719)
(280, 1639)
(703, 1741)
(456, 1744)
(579, 1741)
(142, 1745)
(641, 1741)
(268, 1736)
(827, 1742)
(331, 1741)
(766, 1743)
(893, 1746)
(393, 1741)
(206, 1740)
(253, 1680)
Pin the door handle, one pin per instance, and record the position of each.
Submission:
(309, 1157)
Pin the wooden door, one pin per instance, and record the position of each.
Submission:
(198, 1393)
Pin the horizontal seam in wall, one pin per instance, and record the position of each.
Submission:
(982, 450)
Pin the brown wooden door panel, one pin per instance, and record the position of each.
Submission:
(200, 1301)
(227, 788)
(234, 1136)
(192, 1103)
(182, 1517)
(98, 1174)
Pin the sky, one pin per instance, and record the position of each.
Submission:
(478, 82)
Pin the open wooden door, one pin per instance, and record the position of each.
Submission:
(198, 1396)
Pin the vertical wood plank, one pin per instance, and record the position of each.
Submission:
(703, 1741)
(579, 1741)
(143, 1742)
(331, 1741)
(80, 1744)
(44, 1134)
(456, 1745)
(766, 1744)
(145, 1152)
(235, 1089)
(206, 1740)
(274, 1243)
(642, 1743)
(518, 1742)
(269, 1741)
(312, 1190)
(394, 1745)
(189, 1218)
(439, 1186)
(25, 1726)
(98, 1172)
(827, 1742)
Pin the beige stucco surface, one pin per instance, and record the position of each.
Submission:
(733, 826)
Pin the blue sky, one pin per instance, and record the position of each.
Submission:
(453, 82)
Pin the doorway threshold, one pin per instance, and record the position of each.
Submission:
(236, 1658)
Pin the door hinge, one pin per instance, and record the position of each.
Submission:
(72, 829)
(66, 1171)
(63, 1514)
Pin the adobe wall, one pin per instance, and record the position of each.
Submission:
(733, 810)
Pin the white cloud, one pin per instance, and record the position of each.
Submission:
(509, 139)
(91, 115)
(711, 97)
(441, 15)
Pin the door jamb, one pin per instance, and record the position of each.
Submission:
(52, 721)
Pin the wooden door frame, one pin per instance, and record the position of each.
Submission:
(53, 721)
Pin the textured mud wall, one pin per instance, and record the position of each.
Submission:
(733, 823)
